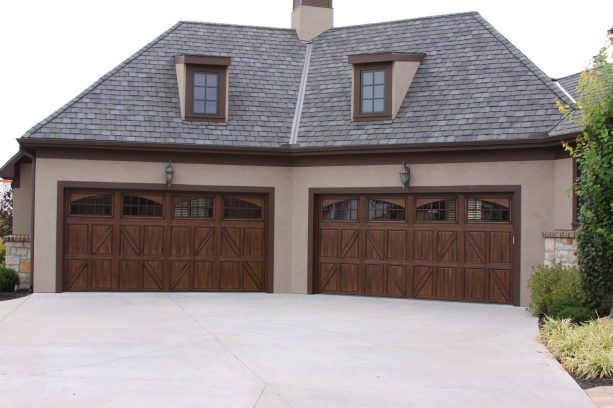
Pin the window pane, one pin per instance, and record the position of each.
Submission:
(379, 91)
(340, 210)
(199, 107)
(91, 205)
(367, 92)
(142, 206)
(367, 78)
(379, 77)
(386, 210)
(211, 79)
(241, 208)
(379, 106)
(199, 78)
(211, 94)
(211, 108)
(194, 208)
(198, 93)
(367, 106)
(435, 209)
(488, 210)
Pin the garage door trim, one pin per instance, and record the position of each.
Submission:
(515, 190)
(62, 186)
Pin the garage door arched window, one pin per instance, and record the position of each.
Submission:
(435, 209)
(193, 207)
(92, 205)
(143, 205)
(236, 208)
(389, 209)
(488, 210)
(341, 209)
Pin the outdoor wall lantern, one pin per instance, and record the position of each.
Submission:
(170, 172)
(405, 175)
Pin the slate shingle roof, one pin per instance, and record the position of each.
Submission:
(473, 85)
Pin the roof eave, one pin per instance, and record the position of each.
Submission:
(535, 141)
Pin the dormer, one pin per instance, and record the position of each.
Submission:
(310, 18)
(203, 87)
(380, 83)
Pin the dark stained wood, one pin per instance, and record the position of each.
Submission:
(167, 253)
(461, 260)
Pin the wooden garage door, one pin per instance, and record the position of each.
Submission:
(454, 247)
(160, 241)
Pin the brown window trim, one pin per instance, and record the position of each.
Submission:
(358, 116)
(385, 57)
(189, 93)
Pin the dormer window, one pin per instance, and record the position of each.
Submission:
(203, 87)
(380, 83)
(373, 92)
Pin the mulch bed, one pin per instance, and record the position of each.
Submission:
(587, 384)
(13, 295)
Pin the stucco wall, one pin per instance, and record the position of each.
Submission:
(22, 196)
(291, 201)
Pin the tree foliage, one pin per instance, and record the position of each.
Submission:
(6, 212)
(594, 155)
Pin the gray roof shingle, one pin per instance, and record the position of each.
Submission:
(472, 86)
(571, 83)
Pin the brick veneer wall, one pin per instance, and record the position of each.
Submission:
(18, 257)
(560, 247)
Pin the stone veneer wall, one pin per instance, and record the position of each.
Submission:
(18, 257)
(560, 247)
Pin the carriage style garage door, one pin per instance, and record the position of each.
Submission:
(432, 246)
(161, 241)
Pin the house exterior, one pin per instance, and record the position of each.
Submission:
(418, 159)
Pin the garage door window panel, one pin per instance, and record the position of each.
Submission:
(194, 207)
(388, 209)
(436, 210)
(143, 206)
(488, 209)
(242, 208)
(340, 209)
(91, 205)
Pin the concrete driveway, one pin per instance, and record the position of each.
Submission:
(258, 350)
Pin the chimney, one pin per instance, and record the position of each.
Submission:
(311, 18)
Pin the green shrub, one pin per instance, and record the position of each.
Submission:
(8, 279)
(585, 351)
(552, 283)
(570, 309)
(2, 252)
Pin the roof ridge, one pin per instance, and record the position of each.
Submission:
(100, 81)
(521, 57)
(466, 13)
(235, 25)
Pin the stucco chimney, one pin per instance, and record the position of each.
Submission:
(312, 17)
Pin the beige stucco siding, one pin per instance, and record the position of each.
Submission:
(22, 211)
(562, 194)
(539, 193)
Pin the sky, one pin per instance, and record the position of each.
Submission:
(51, 50)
